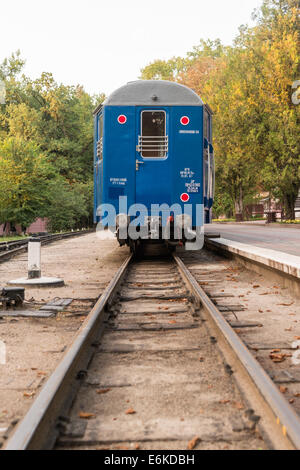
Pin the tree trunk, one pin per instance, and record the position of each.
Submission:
(289, 202)
(239, 206)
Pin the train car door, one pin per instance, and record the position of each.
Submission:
(153, 180)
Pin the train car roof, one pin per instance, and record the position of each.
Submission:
(153, 93)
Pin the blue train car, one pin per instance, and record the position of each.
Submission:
(153, 148)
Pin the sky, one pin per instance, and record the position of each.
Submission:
(103, 44)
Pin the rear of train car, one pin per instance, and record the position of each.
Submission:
(153, 164)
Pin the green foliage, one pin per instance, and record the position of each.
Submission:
(165, 69)
(68, 206)
(46, 150)
(24, 181)
(11, 66)
(173, 68)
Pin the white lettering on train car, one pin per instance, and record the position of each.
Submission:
(187, 173)
(118, 181)
(192, 187)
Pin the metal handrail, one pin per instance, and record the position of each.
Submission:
(153, 144)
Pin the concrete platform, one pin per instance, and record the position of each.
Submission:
(279, 237)
(283, 266)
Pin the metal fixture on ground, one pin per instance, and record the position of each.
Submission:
(35, 277)
(11, 296)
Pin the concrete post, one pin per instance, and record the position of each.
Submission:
(34, 258)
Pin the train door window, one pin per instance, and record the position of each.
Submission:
(153, 142)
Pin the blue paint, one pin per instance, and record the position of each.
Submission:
(157, 180)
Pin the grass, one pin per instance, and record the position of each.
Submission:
(290, 222)
(252, 219)
(223, 220)
(10, 239)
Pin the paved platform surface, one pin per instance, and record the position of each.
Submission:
(281, 239)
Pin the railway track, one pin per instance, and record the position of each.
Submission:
(10, 249)
(157, 365)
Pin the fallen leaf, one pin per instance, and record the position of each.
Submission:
(286, 305)
(192, 444)
(29, 394)
(104, 390)
(297, 395)
(238, 405)
(291, 401)
(84, 415)
(256, 287)
(279, 357)
(130, 411)
(283, 389)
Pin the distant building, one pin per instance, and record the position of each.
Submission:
(38, 226)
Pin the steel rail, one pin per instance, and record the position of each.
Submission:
(38, 429)
(282, 412)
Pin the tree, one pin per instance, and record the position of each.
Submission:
(275, 49)
(25, 176)
(51, 124)
(68, 207)
(248, 86)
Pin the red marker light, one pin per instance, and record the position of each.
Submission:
(122, 119)
(185, 197)
(185, 120)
